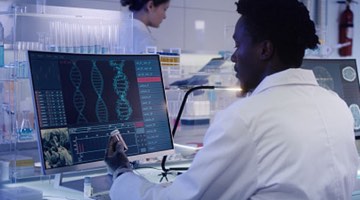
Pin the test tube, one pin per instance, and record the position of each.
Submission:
(116, 134)
(76, 37)
(84, 39)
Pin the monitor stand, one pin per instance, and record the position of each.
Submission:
(100, 183)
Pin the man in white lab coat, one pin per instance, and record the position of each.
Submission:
(288, 139)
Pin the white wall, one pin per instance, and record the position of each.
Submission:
(217, 17)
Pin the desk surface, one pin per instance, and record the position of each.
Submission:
(46, 185)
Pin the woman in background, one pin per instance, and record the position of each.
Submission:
(146, 13)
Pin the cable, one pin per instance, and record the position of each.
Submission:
(177, 120)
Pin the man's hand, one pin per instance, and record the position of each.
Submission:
(115, 158)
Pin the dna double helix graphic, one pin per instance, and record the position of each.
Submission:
(78, 98)
(97, 82)
(121, 87)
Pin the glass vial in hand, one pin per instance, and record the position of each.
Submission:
(117, 136)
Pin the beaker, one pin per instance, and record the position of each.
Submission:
(25, 133)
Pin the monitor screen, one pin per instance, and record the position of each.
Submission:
(341, 76)
(81, 98)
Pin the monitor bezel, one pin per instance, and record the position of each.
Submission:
(94, 165)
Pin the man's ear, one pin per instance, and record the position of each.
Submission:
(266, 49)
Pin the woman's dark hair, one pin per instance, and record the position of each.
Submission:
(286, 23)
(136, 5)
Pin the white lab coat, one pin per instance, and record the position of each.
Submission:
(142, 37)
(135, 36)
(291, 139)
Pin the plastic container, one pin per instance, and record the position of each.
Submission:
(88, 189)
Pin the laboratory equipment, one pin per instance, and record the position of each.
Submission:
(2, 55)
(25, 133)
(116, 134)
(88, 190)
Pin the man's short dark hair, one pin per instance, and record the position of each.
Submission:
(286, 23)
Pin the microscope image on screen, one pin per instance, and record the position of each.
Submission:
(56, 145)
(99, 91)
(355, 110)
(324, 77)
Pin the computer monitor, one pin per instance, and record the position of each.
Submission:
(80, 98)
(341, 76)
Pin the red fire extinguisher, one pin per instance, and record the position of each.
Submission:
(346, 28)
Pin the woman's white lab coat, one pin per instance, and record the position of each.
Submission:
(142, 37)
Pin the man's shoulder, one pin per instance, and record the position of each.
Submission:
(243, 105)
